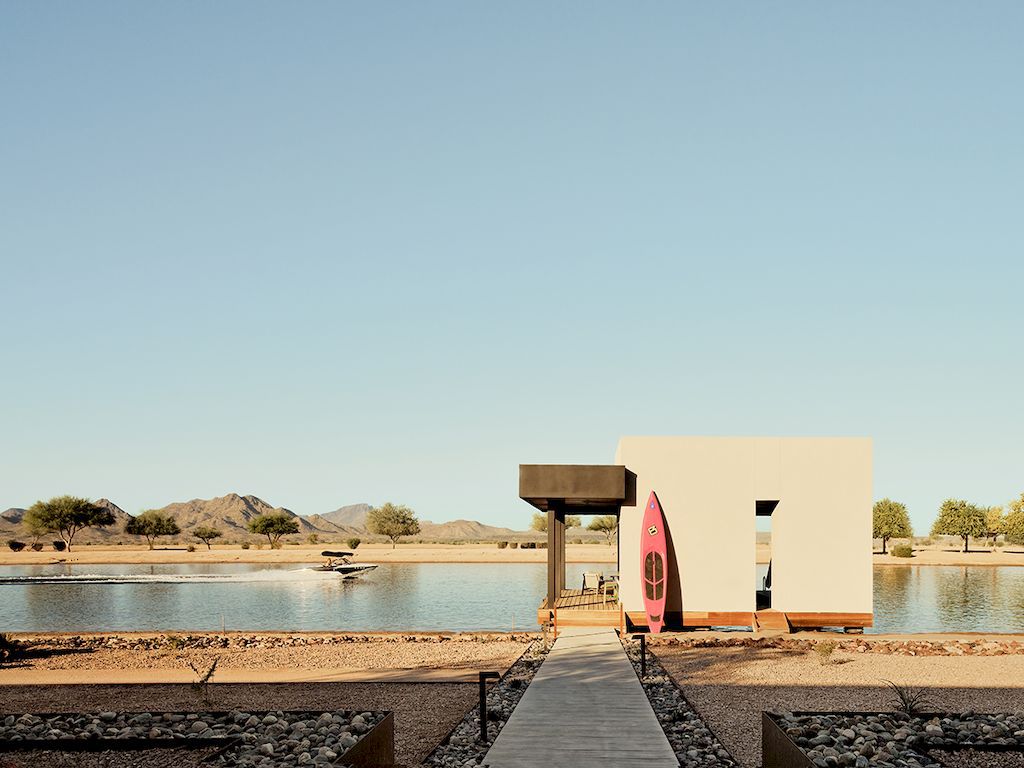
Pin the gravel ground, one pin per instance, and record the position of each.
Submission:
(730, 686)
(461, 749)
(692, 741)
(367, 652)
(424, 712)
(976, 758)
(143, 758)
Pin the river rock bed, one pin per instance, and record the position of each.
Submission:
(858, 644)
(461, 749)
(241, 640)
(266, 738)
(895, 739)
(691, 739)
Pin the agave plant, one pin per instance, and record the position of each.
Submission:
(910, 700)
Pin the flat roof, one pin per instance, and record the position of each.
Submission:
(602, 487)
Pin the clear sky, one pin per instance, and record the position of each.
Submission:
(338, 252)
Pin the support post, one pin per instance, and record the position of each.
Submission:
(484, 677)
(556, 555)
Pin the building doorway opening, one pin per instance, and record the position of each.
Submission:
(763, 511)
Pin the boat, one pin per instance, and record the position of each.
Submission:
(653, 554)
(341, 562)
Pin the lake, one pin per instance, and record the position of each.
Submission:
(421, 596)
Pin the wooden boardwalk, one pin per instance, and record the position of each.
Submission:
(585, 707)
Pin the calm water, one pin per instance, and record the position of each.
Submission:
(422, 596)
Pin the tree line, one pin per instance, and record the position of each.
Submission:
(956, 517)
(67, 516)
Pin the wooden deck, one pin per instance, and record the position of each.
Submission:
(576, 608)
(585, 707)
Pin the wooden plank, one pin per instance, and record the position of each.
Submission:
(830, 619)
(585, 707)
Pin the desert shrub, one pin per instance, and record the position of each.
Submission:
(502, 545)
(513, 545)
(353, 543)
(245, 545)
(37, 546)
(1000, 543)
(542, 545)
(910, 700)
(191, 547)
(902, 550)
(259, 545)
(313, 539)
(576, 541)
(174, 642)
(9, 648)
(59, 545)
(16, 546)
(825, 650)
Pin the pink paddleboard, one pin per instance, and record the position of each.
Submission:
(653, 557)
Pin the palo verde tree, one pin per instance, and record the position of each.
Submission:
(540, 522)
(206, 534)
(889, 520)
(66, 515)
(606, 524)
(960, 518)
(1013, 523)
(274, 526)
(994, 518)
(393, 521)
(152, 523)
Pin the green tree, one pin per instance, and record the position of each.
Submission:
(393, 521)
(150, 524)
(206, 534)
(889, 520)
(274, 527)
(960, 518)
(994, 518)
(540, 522)
(35, 529)
(606, 524)
(1013, 523)
(66, 515)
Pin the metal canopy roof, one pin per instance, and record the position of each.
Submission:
(600, 488)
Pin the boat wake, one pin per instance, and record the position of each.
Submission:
(300, 575)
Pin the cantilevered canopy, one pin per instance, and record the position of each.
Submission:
(602, 488)
(581, 489)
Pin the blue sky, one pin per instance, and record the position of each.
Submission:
(329, 253)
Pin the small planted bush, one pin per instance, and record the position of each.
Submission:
(191, 547)
(16, 546)
(354, 542)
(902, 550)
(513, 545)
(825, 650)
(37, 546)
(502, 545)
(313, 539)
(245, 545)
(59, 545)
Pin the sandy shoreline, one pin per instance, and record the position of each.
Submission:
(175, 554)
(304, 553)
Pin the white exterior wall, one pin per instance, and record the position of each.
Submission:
(708, 486)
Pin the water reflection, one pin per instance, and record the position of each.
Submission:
(949, 599)
(442, 596)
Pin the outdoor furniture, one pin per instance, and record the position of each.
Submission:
(610, 588)
(591, 581)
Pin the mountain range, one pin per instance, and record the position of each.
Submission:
(232, 513)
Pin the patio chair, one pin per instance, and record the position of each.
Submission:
(610, 588)
(591, 581)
